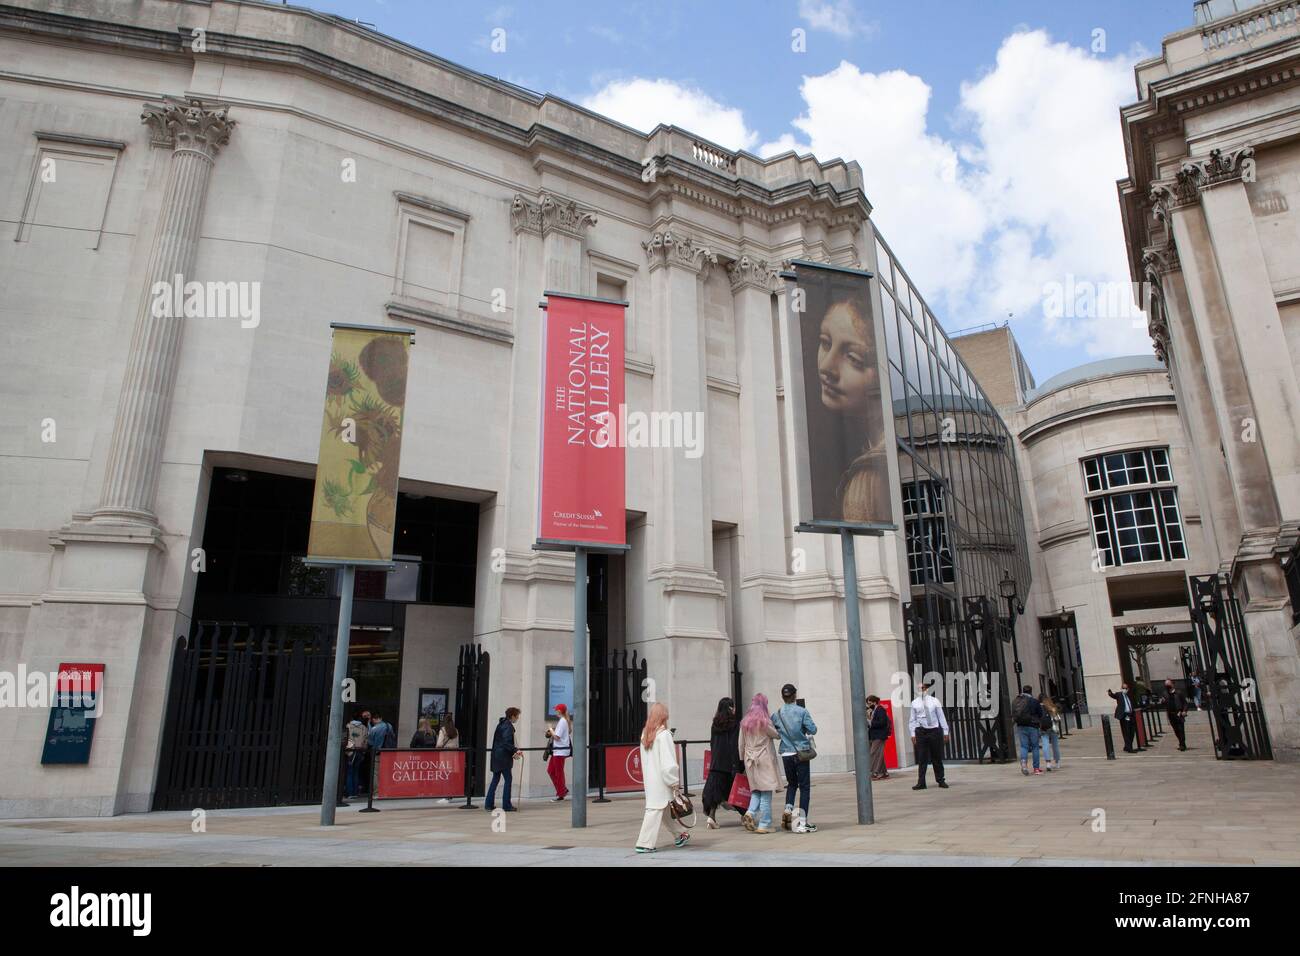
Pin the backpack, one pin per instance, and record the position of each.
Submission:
(1018, 708)
(390, 736)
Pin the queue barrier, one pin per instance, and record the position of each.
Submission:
(406, 773)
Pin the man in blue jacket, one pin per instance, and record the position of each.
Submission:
(795, 725)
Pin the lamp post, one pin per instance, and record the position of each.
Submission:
(1007, 586)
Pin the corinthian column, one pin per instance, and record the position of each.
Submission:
(194, 131)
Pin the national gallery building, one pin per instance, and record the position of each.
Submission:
(273, 170)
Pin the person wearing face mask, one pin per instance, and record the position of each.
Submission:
(850, 387)
(1124, 714)
(504, 754)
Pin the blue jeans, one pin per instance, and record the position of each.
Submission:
(760, 808)
(489, 801)
(1027, 739)
(354, 764)
(797, 778)
(1051, 737)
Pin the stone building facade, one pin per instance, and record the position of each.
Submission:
(1210, 224)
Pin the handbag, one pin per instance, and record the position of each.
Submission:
(680, 807)
(805, 755)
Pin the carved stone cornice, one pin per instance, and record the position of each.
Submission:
(668, 248)
(1220, 167)
(748, 272)
(188, 123)
(551, 213)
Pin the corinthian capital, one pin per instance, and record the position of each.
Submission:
(1171, 194)
(1220, 167)
(1158, 261)
(188, 123)
(752, 273)
(669, 248)
(565, 215)
(525, 215)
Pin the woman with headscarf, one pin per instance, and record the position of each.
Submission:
(757, 749)
(724, 751)
(661, 775)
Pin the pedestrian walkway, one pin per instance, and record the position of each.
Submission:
(1158, 806)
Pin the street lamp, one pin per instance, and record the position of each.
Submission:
(1007, 586)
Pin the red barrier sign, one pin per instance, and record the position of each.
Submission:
(420, 773)
(623, 768)
(582, 498)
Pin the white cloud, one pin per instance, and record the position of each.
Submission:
(839, 17)
(643, 104)
(1028, 198)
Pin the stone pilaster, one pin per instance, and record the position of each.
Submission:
(681, 630)
(194, 131)
(1174, 333)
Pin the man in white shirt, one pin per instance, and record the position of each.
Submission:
(929, 729)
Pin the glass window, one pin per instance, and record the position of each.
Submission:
(890, 320)
(884, 266)
(1101, 532)
(1173, 524)
(1160, 464)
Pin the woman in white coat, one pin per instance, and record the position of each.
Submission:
(661, 775)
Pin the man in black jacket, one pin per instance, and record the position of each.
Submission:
(1176, 711)
(504, 754)
(877, 733)
(1124, 714)
(1027, 714)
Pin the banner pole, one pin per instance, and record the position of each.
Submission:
(329, 796)
(857, 681)
(578, 730)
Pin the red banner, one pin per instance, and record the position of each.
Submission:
(420, 773)
(582, 496)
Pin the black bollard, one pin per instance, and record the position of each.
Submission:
(1110, 741)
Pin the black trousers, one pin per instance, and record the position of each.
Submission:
(1129, 730)
(929, 749)
(1177, 723)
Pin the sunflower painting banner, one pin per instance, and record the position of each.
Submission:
(355, 503)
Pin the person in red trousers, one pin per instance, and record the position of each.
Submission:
(561, 749)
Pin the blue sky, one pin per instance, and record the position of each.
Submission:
(988, 132)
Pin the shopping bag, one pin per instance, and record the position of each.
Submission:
(739, 792)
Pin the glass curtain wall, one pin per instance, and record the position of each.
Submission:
(960, 489)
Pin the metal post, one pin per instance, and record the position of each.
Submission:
(857, 681)
(1110, 741)
(334, 746)
(580, 688)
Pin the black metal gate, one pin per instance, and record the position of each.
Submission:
(1237, 717)
(618, 705)
(973, 686)
(245, 719)
(471, 714)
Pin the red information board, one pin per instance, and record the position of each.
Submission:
(582, 495)
(420, 773)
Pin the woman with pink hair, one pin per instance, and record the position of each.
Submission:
(758, 752)
(660, 772)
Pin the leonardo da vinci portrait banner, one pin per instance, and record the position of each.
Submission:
(355, 502)
(582, 496)
(842, 464)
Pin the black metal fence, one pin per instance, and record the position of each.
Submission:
(473, 668)
(1237, 717)
(246, 714)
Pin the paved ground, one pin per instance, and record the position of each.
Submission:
(1160, 806)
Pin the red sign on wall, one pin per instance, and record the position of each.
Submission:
(582, 496)
(420, 773)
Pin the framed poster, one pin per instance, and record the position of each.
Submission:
(837, 402)
(559, 689)
(432, 702)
